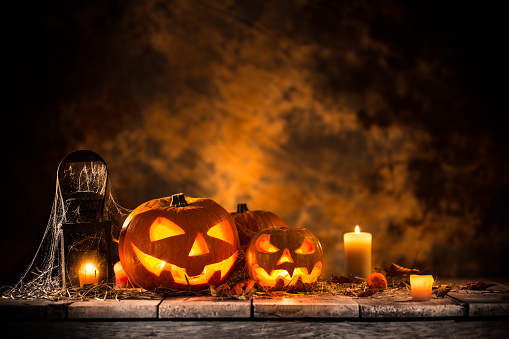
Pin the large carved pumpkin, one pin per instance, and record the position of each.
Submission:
(250, 222)
(284, 259)
(178, 242)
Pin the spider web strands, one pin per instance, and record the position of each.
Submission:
(45, 261)
(43, 277)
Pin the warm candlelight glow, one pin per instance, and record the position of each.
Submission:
(421, 286)
(88, 274)
(357, 253)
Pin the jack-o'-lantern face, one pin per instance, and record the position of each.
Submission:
(191, 245)
(285, 259)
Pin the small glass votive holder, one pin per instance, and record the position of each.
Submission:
(421, 286)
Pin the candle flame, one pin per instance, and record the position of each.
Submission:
(89, 269)
(88, 274)
(357, 229)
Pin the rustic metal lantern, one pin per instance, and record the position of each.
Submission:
(85, 236)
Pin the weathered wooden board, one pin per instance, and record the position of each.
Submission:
(311, 307)
(202, 328)
(113, 309)
(204, 307)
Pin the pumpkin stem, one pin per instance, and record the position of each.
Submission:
(242, 208)
(178, 200)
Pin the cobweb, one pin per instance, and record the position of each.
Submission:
(82, 194)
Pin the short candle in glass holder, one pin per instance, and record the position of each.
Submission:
(88, 274)
(421, 286)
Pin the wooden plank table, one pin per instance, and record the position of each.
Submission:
(437, 328)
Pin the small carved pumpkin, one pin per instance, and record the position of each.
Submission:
(178, 242)
(285, 259)
(250, 222)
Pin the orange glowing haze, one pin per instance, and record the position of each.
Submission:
(329, 114)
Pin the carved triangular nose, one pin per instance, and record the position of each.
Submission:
(199, 246)
(285, 257)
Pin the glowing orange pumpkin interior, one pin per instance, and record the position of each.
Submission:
(270, 280)
(266, 279)
(263, 244)
(163, 228)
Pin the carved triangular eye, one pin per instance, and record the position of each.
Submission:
(306, 248)
(163, 228)
(222, 231)
(263, 244)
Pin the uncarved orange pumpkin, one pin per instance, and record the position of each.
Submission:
(250, 222)
(178, 242)
(284, 259)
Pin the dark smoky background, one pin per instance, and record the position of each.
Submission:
(331, 114)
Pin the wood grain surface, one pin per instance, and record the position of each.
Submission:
(264, 329)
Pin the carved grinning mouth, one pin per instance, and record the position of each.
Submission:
(156, 266)
(270, 280)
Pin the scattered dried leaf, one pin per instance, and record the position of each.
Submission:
(441, 291)
(477, 286)
(396, 271)
(244, 290)
(222, 291)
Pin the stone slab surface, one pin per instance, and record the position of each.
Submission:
(494, 301)
(113, 309)
(484, 304)
(204, 307)
(398, 303)
(387, 304)
(388, 307)
(328, 306)
(33, 309)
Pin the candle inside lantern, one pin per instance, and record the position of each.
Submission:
(421, 286)
(88, 274)
(357, 253)
(120, 275)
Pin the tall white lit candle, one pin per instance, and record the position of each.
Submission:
(357, 253)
